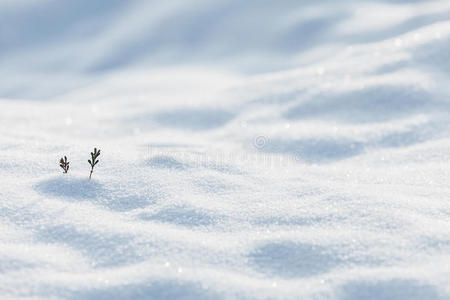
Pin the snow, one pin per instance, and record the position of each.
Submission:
(248, 150)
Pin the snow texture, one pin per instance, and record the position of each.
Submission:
(250, 149)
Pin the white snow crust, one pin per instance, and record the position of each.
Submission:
(250, 149)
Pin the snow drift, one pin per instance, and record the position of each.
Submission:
(249, 150)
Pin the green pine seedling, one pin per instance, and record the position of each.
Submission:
(94, 160)
(64, 164)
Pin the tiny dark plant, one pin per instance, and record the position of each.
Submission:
(64, 164)
(93, 161)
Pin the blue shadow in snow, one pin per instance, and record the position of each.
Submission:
(102, 249)
(76, 189)
(403, 139)
(50, 21)
(166, 162)
(291, 260)
(308, 33)
(182, 216)
(14, 265)
(389, 290)
(68, 187)
(194, 119)
(315, 150)
(375, 104)
(322, 151)
(435, 57)
(291, 221)
(169, 289)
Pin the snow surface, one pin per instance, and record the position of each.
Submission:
(270, 149)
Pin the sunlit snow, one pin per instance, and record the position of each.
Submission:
(250, 149)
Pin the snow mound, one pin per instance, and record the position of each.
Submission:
(305, 159)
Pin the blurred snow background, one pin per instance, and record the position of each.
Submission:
(250, 149)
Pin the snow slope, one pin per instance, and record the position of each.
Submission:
(249, 149)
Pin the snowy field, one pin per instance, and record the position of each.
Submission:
(249, 149)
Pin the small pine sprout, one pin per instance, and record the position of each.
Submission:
(94, 160)
(64, 164)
